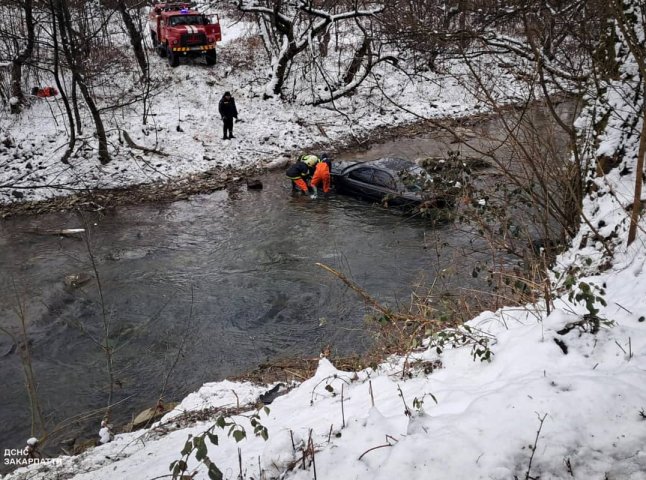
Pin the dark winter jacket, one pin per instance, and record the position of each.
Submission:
(227, 107)
(298, 170)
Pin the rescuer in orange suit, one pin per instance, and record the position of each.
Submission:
(301, 172)
(322, 174)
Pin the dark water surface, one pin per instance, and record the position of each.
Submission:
(233, 273)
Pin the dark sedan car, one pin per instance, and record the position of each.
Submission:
(390, 181)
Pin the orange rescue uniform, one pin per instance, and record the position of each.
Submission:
(301, 185)
(321, 176)
(298, 174)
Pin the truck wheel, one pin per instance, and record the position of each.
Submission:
(173, 59)
(153, 37)
(161, 50)
(210, 57)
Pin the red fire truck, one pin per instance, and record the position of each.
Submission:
(179, 31)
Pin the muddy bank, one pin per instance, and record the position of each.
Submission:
(169, 191)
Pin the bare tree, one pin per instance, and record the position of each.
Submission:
(134, 33)
(24, 40)
(56, 72)
(630, 21)
(422, 29)
(289, 28)
(557, 47)
(75, 50)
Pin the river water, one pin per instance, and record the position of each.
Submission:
(227, 278)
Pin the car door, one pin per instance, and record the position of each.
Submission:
(359, 182)
(371, 183)
(384, 185)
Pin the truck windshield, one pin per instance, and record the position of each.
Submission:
(187, 20)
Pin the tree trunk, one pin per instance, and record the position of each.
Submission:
(135, 37)
(639, 175)
(324, 44)
(104, 155)
(70, 48)
(279, 73)
(18, 62)
(357, 60)
(75, 106)
(72, 133)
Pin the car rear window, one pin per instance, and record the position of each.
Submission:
(362, 174)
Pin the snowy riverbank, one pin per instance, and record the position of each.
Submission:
(184, 128)
(559, 392)
(551, 403)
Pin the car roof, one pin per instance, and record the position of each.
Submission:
(392, 163)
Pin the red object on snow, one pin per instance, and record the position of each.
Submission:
(46, 92)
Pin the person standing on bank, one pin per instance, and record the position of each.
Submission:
(228, 111)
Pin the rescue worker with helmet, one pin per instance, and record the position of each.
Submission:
(321, 175)
(301, 172)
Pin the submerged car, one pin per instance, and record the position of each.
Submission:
(389, 181)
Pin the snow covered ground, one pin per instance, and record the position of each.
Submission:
(563, 395)
(185, 124)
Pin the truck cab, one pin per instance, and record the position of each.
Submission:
(176, 31)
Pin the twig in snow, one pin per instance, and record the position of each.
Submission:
(342, 409)
(328, 387)
(623, 308)
(568, 465)
(406, 409)
(375, 448)
(313, 452)
(622, 348)
(538, 433)
(240, 463)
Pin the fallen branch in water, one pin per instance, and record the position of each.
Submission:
(363, 294)
(394, 316)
